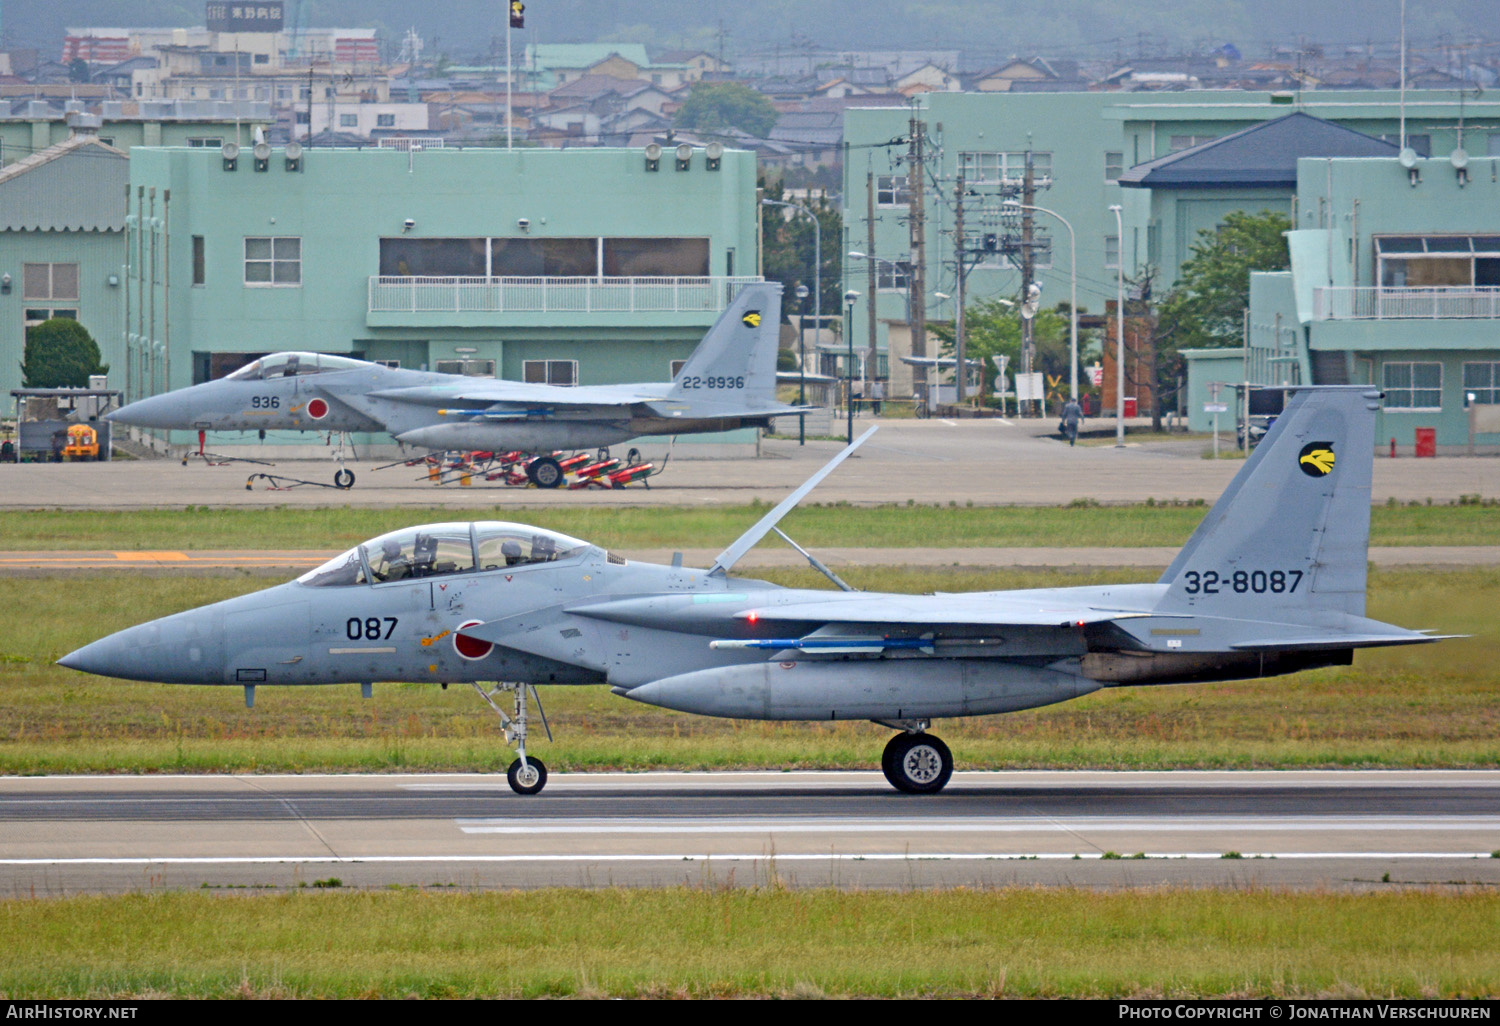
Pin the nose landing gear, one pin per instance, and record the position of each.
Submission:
(527, 775)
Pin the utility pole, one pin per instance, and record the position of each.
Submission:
(1028, 269)
(917, 273)
(958, 317)
(870, 278)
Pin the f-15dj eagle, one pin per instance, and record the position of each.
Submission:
(728, 382)
(1272, 581)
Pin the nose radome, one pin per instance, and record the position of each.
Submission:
(186, 648)
(158, 411)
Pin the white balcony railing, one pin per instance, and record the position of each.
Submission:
(400, 294)
(1366, 303)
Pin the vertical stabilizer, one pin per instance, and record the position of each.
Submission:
(1291, 533)
(737, 358)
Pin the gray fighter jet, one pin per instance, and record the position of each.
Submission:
(729, 381)
(1273, 581)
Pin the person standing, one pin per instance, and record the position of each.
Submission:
(1072, 417)
(877, 393)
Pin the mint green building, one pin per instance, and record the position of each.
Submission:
(62, 230)
(1394, 282)
(586, 266)
(33, 125)
(1080, 146)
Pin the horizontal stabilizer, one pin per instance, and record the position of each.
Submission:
(1330, 642)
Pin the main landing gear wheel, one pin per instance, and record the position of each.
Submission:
(545, 472)
(917, 763)
(344, 478)
(528, 777)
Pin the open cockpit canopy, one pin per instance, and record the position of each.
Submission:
(434, 550)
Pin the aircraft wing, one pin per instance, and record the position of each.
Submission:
(482, 393)
(899, 611)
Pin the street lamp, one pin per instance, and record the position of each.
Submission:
(850, 298)
(801, 361)
(1119, 327)
(1073, 296)
(817, 297)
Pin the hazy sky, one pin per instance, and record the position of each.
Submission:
(1099, 28)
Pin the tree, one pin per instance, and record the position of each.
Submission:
(1206, 308)
(60, 353)
(78, 70)
(716, 106)
(787, 249)
(991, 328)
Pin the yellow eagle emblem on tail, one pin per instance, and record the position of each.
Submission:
(751, 319)
(1316, 459)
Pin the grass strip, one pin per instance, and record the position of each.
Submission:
(1423, 706)
(627, 528)
(759, 942)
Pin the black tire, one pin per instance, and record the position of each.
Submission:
(917, 763)
(632, 457)
(538, 775)
(603, 453)
(545, 472)
(344, 478)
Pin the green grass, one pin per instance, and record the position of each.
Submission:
(1424, 706)
(680, 942)
(625, 528)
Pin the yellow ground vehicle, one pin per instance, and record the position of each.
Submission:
(83, 443)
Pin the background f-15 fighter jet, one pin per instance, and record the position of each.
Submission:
(728, 382)
(1272, 581)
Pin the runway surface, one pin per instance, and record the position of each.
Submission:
(987, 462)
(1296, 829)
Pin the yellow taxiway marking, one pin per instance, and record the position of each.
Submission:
(152, 555)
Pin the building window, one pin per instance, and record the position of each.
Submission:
(892, 276)
(676, 366)
(205, 142)
(1438, 261)
(550, 372)
(1007, 166)
(1413, 386)
(1482, 381)
(198, 260)
(1187, 142)
(348, 120)
(891, 191)
(1421, 143)
(36, 315)
(302, 117)
(385, 121)
(273, 260)
(107, 140)
(1041, 255)
(469, 368)
(49, 281)
(262, 58)
(1114, 165)
(1112, 251)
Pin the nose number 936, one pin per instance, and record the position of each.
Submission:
(265, 402)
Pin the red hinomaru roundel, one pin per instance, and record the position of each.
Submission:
(470, 648)
(317, 409)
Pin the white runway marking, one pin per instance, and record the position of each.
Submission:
(951, 423)
(811, 825)
(263, 860)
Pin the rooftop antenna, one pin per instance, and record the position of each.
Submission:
(1403, 74)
